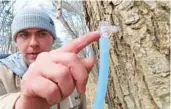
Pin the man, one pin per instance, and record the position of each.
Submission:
(38, 77)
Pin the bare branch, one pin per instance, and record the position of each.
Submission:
(59, 9)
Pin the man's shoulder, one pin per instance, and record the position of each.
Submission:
(16, 63)
(5, 71)
(8, 80)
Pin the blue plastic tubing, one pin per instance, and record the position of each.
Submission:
(103, 73)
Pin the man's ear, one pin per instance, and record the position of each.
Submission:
(54, 40)
(15, 42)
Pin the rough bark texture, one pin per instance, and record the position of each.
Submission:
(140, 54)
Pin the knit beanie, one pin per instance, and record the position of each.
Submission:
(32, 18)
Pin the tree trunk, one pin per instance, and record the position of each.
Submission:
(139, 60)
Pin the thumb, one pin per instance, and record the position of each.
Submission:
(88, 63)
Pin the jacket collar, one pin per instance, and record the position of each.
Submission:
(16, 63)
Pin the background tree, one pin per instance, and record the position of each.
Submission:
(140, 54)
(6, 16)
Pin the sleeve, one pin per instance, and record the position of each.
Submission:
(8, 101)
(8, 92)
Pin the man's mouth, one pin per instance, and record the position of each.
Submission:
(33, 55)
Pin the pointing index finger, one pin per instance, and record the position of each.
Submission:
(78, 44)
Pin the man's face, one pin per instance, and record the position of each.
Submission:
(31, 42)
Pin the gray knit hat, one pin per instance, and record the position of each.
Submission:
(32, 18)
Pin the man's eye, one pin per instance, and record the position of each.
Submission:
(43, 34)
(23, 35)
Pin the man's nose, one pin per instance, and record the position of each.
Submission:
(34, 42)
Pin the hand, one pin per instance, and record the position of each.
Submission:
(55, 74)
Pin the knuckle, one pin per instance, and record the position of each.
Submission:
(53, 51)
(54, 96)
(42, 55)
(64, 73)
(79, 45)
(33, 69)
(32, 65)
(73, 56)
(85, 77)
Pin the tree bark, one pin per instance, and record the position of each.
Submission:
(139, 54)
